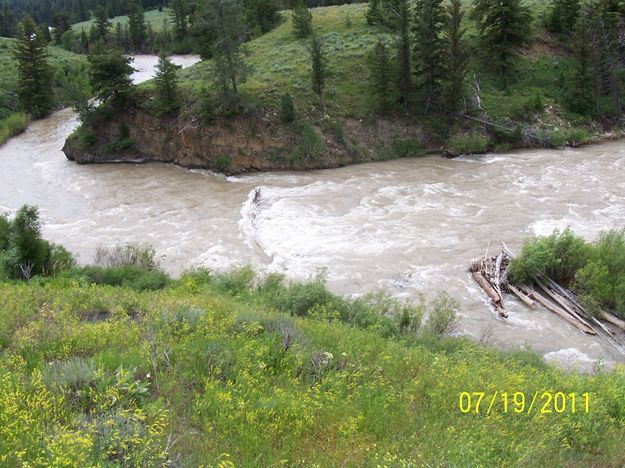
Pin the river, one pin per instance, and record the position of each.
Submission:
(407, 225)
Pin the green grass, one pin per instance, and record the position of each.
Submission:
(213, 370)
(13, 125)
(70, 78)
(154, 17)
(281, 63)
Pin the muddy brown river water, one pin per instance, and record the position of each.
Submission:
(406, 226)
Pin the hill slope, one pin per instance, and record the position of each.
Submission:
(208, 371)
(70, 81)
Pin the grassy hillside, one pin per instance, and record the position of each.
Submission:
(281, 64)
(154, 17)
(215, 371)
(70, 81)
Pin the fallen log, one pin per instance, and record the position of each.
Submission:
(562, 314)
(522, 296)
(495, 298)
(613, 319)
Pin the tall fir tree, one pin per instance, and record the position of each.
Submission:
(581, 97)
(166, 82)
(429, 52)
(456, 56)
(301, 20)
(179, 17)
(318, 67)
(381, 77)
(229, 67)
(7, 22)
(137, 28)
(110, 74)
(34, 86)
(504, 28)
(563, 16)
(102, 23)
(403, 54)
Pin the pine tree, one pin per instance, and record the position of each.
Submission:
(102, 23)
(110, 74)
(381, 76)
(136, 26)
(581, 97)
(261, 15)
(167, 84)
(429, 52)
(504, 28)
(119, 37)
(287, 111)
(456, 56)
(34, 85)
(61, 23)
(229, 68)
(384, 12)
(318, 67)
(84, 41)
(301, 20)
(563, 16)
(403, 54)
(179, 13)
(7, 22)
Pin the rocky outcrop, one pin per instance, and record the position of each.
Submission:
(238, 144)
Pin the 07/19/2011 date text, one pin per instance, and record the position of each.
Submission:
(521, 403)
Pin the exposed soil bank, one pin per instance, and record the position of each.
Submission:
(244, 144)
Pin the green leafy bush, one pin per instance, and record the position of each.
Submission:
(287, 110)
(133, 277)
(559, 256)
(467, 143)
(23, 253)
(403, 147)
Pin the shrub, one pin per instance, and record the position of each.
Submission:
(467, 143)
(287, 110)
(443, 315)
(403, 147)
(222, 162)
(128, 254)
(133, 277)
(312, 144)
(23, 253)
(13, 125)
(559, 256)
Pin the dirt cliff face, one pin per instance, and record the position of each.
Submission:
(238, 144)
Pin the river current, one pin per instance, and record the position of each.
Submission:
(407, 226)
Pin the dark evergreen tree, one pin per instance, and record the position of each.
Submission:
(7, 22)
(403, 54)
(44, 32)
(581, 97)
(179, 17)
(261, 15)
(318, 67)
(287, 111)
(429, 52)
(83, 41)
(456, 56)
(504, 28)
(102, 23)
(384, 12)
(110, 74)
(381, 77)
(563, 16)
(61, 23)
(301, 20)
(229, 67)
(166, 83)
(34, 86)
(137, 28)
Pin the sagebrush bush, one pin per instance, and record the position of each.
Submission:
(129, 254)
(133, 277)
(467, 143)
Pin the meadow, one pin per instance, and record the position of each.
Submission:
(154, 17)
(231, 369)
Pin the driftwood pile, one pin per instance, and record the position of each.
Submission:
(491, 274)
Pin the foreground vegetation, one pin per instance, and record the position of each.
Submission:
(118, 364)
